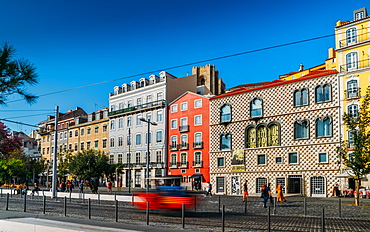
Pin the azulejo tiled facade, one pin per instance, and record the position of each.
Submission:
(305, 160)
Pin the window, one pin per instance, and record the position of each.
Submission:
(112, 124)
(278, 160)
(111, 159)
(359, 15)
(149, 117)
(261, 136)
(120, 106)
(184, 106)
(250, 141)
(96, 144)
(198, 120)
(293, 158)
(119, 158)
(261, 159)
(351, 60)
(112, 142)
(82, 131)
(225, 142)
(76, 147)
(120, 141)
(148, 138)
(128, 158)
(323, 158)
(82, 146)
(323, 127)
(197, 158)
(183, 159)
(256, 108)
(159, 116)
(273, 135)
(129, 104)
(174, 108)
(323, 93)
(301, 97)
(198, 137)
(129, 121)
(159, 156)
(351, 36)
(173, 160)
(174, 140)
(351, 139)
(159, 136)
(225, 113)
(138, 101)
(89, 130)
(174, 124)
(184, 139)
(138, 121)
(198, 103)
(353, 110)
(352, 89)
(76, 133)
(104, 145)
(183, 122)
(105, 127)
(221, 162)
(138, 139)
(301, 129)
(120, 123)
(137, 157)
(159, 96)
(129, 140)
(149, 99)
(96, 129)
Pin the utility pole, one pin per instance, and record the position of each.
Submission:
(54, 183)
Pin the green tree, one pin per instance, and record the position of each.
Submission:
(64, 159)
(88, 164)
(10, 168)
(355, 154)
(15, 74)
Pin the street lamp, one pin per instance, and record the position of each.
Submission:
(129, 161)
(147, 150)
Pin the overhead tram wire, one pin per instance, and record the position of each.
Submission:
(184, 65)
(21, 123)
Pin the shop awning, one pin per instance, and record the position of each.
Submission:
(196, 176)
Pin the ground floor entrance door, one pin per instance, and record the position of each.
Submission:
(235, 185)
(220, 184)
(294, 184)
(317, 186)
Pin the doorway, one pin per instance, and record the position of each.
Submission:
(294, 184)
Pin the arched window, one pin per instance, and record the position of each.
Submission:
(226, 113)
(351, 61)
(250, 137)
(323, 93)
(352, 89)
(273, 135)
(301, 97)
(261, 136)
(225, 142)
(323, 127)
(351, 36)
(352, 110)
(301, 129)
(256, 108)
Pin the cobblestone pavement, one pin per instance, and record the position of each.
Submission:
(207, 214)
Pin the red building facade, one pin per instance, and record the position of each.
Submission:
(188, 139)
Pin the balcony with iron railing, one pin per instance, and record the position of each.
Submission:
(184, 146)
(174, 164)
(198, 164)
(354, 66)
(174, 147)
(354, 41)
(138, 107)
(184, 164)
(198, 145)
(184, 128)
(352, 93)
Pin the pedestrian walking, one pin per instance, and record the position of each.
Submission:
(279, 190)
(209, 189)
(35, 189)
(109, 186)
(62, 186)
(270, 196)
(265, 194)
(245, 191)
(81, 187)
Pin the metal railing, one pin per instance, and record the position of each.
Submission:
(184, 128)
(184, 146)
(198, 145)
(355, 65)
(139, 107)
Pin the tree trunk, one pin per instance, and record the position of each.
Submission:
(357, 192)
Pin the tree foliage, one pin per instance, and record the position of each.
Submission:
(8, 143)
(10, 168)
(355, 154)
(15, 74)
(88, 164)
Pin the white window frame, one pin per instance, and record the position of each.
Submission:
(174, 124)
(326, 158)
(174, 108)
(196, 102)
(195, 120)
(184, 106)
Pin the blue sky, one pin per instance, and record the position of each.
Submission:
(77, 43)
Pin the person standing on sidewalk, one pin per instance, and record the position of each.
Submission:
(245, 191)
(109, 186)
(209, 189)
(265, 194)
(279, 190)
(81, 187)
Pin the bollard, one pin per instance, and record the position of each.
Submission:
(11, 193)
(44, 205)
(183, 215)
(195, 203)
(219, 203)
(245, 206)
(268, 220)
(115, 196)
(65, 206)
(2, 192)
(304, 206)
(43, 193)
(116, 208)
(223, 218)
(70, 196)
(83, 197)
(99, 198)
(132, 198)
(147, 213)
(25, 202)
(89, 209)
(7, 202)
(323, 220)
(340, 207)
(274, 211)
